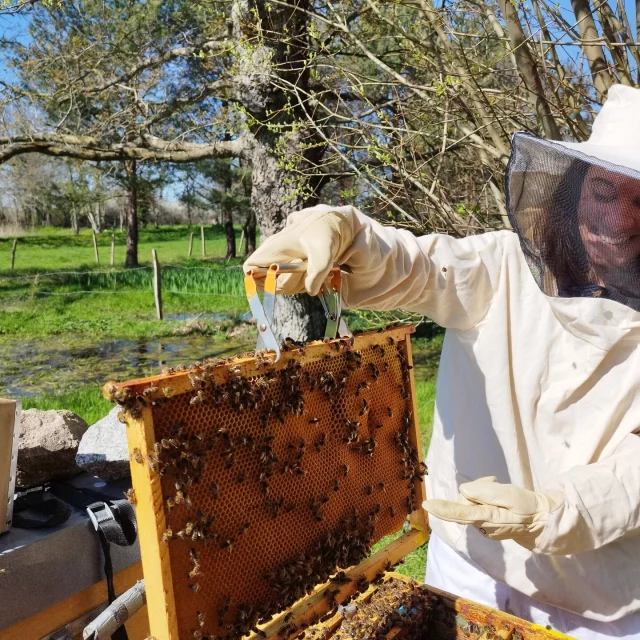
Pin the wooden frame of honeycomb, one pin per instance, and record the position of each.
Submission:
(247, 470)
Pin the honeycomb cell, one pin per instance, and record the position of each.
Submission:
(265, 468)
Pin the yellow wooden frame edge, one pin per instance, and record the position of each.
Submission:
(150, 516)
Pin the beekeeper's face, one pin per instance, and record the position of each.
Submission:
(609, 218)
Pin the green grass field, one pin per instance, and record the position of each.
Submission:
(51, 249)
(55, 289)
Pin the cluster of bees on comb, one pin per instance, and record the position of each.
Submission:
(299, 443)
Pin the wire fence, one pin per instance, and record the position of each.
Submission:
(224, 281)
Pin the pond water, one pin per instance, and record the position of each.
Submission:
(33, 367)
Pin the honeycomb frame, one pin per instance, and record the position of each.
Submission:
(344, 421)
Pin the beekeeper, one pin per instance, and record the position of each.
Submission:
(534, 463)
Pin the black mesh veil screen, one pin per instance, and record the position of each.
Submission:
(578, 220)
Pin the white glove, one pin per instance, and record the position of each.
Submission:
(318, 235)
(499, 511)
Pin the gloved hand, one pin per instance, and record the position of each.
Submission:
(319, 235)
(499, 511)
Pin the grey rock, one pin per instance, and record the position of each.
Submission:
(103, 451)
(48, 444)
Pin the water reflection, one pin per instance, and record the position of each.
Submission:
(31, 367)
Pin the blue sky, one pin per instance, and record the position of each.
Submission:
(16, 25)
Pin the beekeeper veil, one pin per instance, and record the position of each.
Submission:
(576, 206)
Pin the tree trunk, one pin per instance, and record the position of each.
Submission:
(300, 317)
(230, 233)
(598, 65)
(249, 229)
(131, 169)
(227, 214)
(528, 70)
(94, 218)
(74, 221)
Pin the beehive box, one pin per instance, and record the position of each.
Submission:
(261, 486)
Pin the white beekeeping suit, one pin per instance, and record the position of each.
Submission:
(534, 463)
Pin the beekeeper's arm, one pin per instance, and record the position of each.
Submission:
(450, 280)
(583, 509)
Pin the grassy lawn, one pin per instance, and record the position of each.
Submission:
(52, 249)
(42, 298)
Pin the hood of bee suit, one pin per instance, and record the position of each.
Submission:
(576, 210)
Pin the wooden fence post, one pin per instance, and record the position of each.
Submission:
(113, 248)
(13, 253)
(190, 243)
(157, 284)
(204, 249)
(241, 243)
(95, 247)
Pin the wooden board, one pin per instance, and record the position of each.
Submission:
(60, 614)
(9, 415)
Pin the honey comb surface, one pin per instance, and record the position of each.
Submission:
(273, 466)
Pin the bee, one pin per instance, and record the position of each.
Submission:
(335, 485)
(365, 407)
(241, 478)
(361, 386)
(290, 507)
(200, 618)
(137, 456)
(170, 504)
(194, 587)
(227, 544)
(243, 529)
(391, 340)
(167, 392)
(379, 426)
(149, 391)
(180, 497)
(411, 504)
(177, 429)
(198, 398)
(368, 489)
(320, 442)
(381, 486)
(345, 470)
(314, 420)
(194, 572)
(222, 611)
(390, 412)
(362, 583)
(131, 495)
(167, 535)
(153, 463)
